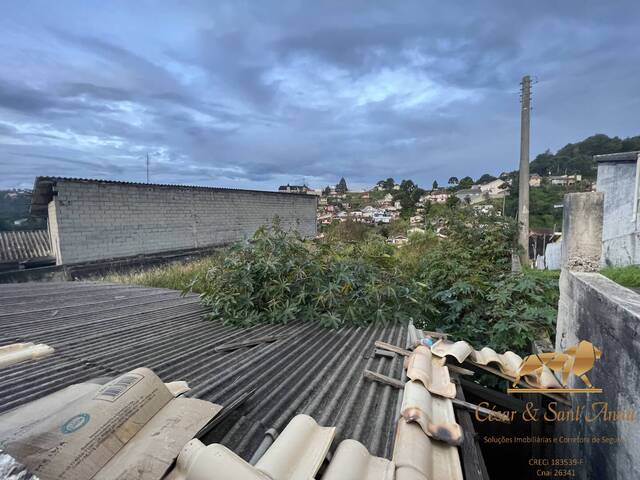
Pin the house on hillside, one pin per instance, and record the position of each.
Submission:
(535, 180)
(416, 219)
(471, 196)
(495, 188)
(398, 240)
(439, 195)
(381, 218)
(565, 180)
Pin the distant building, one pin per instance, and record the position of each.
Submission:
(416, 230)
(494, 188)
(535, 180)
(378, 218)
(565, 180)
(398, 240)
(438, 195)
(472, 196)
(416, 219)
(293, 188)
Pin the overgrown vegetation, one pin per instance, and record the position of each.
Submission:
(176, 276)
(626, 276)
(461, 285)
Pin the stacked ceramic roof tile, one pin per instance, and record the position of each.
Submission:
(427, 433)
(508, 362)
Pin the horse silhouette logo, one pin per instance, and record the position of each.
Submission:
(578, 359)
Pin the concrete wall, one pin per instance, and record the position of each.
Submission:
(552, 255)
(596, 309)
(98, 221)
(582, 231)
(620, 235)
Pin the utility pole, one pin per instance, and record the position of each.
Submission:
(147, 167)
(523, 193)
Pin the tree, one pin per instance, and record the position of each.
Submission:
(389, 183)
(408, 195)
(341, 187)
(435, 185)
(327, 191)
(466, 182)
(486, 178)
(578, 157)
(453, 181)
(452, 201)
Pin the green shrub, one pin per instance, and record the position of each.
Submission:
(278, 277)
(461, 284)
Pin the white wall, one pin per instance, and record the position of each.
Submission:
(620, 235)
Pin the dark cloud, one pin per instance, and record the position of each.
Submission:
(256, 94)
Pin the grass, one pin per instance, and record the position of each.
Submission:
(626, 276)
(175, 276)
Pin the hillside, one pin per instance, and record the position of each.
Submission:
(578, 157)
(14, 205)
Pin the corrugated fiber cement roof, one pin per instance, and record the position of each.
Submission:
(102, 329)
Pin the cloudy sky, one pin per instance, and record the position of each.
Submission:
(255, 94)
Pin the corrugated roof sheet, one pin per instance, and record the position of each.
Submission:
(43, 189)
(24, 245)
(100, 329)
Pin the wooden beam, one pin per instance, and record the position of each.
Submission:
(498, 373)
(460, 370)
(378, 377)
(472, 460)
(384, 353)
(497, 398)
(478, 409)
(392, 348)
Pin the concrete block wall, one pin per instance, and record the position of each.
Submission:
(582, 231)
(96, 221)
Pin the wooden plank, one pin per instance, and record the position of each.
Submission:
(378, 377)
(227, 347)
(472, 460)
(392, 348)
(460, 370)
(478, 409)
(384, 353)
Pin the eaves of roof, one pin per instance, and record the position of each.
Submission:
(617, 157)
